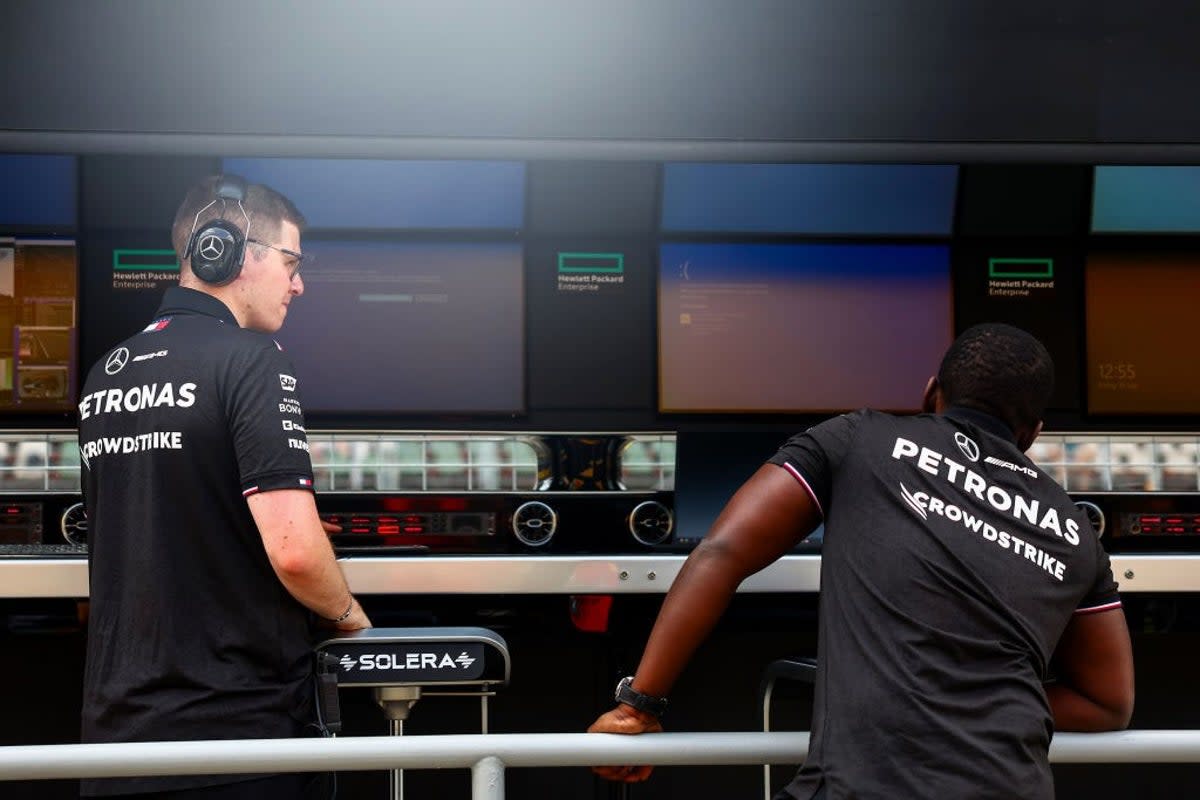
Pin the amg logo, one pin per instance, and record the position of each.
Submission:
(1009, 465)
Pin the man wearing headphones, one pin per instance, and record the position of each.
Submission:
(208, 562)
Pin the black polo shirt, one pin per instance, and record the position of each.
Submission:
(950, 567)
(190, 634)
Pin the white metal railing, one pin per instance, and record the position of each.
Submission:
(489, 755)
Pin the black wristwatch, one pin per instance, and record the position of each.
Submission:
(655, 706)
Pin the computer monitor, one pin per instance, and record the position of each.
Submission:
(387, 328)
(38, 297)
(800, 328)
(1140, 338)
(710, 466)
(379, 194)
(37, 193)
(1146, 200)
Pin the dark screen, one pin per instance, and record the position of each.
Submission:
(591, 324)
(37, 191)
(710, 466)
(1023, 200)
(409, 327)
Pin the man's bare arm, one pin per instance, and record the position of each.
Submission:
(1094, 667)
(769, 514)
(299, 550)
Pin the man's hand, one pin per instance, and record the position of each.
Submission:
(627, 720)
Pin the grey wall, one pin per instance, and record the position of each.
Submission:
(1010, 71)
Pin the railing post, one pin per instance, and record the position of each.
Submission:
(487, 779)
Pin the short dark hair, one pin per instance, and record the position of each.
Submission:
(1000, 370)
(267, 209)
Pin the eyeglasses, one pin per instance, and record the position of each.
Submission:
(299, 258)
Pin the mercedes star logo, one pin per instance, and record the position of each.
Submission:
(212, 247)
(967, 446)
(117, 361)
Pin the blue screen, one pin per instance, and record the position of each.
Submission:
(800, 327)
(413, 195)
(1146, 200)
(831, 199)
(37, 191)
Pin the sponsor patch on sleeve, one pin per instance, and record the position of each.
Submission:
(157, 325)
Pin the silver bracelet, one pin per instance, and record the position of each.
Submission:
(345, 614)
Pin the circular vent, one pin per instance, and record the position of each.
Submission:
(651, 522)
(1094, 515)
(74, 524)
(534, 523)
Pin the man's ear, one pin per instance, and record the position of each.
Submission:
(931, 402)
(1027, 436)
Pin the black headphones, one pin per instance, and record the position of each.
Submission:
(218, 249)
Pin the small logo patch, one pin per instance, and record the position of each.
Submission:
(157, 325)
(967, 445)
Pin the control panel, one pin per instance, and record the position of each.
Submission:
(42, 526)
(1144, 522)
(546, 522)
(21, 523)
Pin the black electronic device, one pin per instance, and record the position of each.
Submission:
(47, 525)
(493, 523)
(218, 249)
(419, 656)
(1143, 522)
(21, 523)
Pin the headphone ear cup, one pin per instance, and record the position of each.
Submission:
(216, 252)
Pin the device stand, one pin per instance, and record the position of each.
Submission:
(404, 664)
(396, 702)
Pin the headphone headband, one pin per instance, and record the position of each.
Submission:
(231, 187)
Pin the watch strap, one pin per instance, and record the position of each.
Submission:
(649, 704)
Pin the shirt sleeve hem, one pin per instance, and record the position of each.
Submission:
(795, 473)
(1096, 608)
(268, 483)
